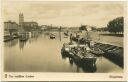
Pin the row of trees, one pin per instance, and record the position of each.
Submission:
(114, 26)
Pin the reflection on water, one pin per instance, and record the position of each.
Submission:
(11, 43)
(22, 44)
(42, 54)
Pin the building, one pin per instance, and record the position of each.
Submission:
(30, 25)
(27, 26)
(10, 27)
(44, 27)
(21, 19)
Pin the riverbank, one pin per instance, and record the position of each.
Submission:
(106, 39)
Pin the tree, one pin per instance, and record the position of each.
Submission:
(83, 27)
(116, 25)
(94, 28)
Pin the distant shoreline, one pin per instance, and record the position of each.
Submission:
(117, 35)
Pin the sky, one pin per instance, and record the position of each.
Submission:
(62, 13)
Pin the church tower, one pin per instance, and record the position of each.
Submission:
(21, 19)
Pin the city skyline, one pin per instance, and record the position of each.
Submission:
(63, 13)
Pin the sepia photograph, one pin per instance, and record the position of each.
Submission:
(63, 36)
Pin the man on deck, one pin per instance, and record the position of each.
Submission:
(71, 38)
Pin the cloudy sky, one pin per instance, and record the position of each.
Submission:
(63, 13)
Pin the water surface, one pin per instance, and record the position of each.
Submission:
(41, 54)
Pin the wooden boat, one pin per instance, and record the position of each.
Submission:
(109, 49)
(85, 57)
(89, 58)
(74, 51)
(65, 36)
(52, 36)
(15, 36)
(67, 48)
(97, 51)
(66, 33)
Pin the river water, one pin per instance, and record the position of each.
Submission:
(42, 54)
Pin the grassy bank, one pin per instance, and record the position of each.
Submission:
(107, 38)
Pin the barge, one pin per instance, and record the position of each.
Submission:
(8, 38)
(78, 53)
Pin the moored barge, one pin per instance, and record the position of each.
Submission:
(79, 53)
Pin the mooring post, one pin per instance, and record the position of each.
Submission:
(60, 33)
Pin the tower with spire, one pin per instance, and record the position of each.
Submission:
(21, 19)
(21, 23)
